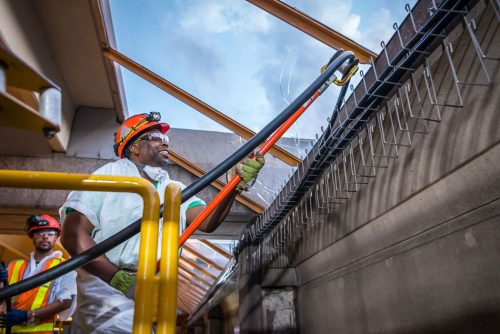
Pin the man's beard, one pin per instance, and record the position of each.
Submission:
(44, 248)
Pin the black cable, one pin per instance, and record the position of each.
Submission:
(134, 228)
(8, 301)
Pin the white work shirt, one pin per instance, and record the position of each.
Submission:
(62, 288)
(111, 212)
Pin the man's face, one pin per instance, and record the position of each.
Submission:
(45, 239)
(153, 149)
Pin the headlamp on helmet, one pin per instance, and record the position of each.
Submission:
(153, 116)
(42, 222)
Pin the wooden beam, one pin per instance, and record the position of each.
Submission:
(190, 279)
(187, 301)
(204, 258)
(182, 305)
(195, 103)
(194, 285)
(13, 219)
(216, 248)
(313, 28)
(186, 287)
(198, 277)
(197, 266)
(13, 250)
(192, 291)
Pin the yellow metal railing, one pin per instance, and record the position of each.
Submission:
(167, 314)
(164, 286)
(158, 300)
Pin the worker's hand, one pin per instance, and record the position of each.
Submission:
(12, 318)
(247, 169)
(4, 274)
(123, 281)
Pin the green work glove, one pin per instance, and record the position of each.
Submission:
(123, 281)
(247, 169)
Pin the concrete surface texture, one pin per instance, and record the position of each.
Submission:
(415, 250)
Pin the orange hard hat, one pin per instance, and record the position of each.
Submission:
(133, 126)
(41, 222)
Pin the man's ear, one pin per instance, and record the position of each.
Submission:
(134, 149)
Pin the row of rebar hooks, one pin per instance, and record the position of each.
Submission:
(389, 127)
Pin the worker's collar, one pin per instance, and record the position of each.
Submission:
(156, 174)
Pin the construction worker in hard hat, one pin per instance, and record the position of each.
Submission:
(105, 300)
(35, 311)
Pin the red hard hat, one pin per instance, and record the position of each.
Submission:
(133, 126)
(42, 222)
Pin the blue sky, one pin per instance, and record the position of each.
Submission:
(237, 58)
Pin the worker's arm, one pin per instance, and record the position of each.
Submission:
(76, 239)
(248, 170)
(17, 317)
(50, 310)
(216, 217)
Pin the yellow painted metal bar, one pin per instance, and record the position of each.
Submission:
(167, 314)
(146, 270)
(143, 314)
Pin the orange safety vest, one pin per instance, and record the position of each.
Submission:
(32, 299)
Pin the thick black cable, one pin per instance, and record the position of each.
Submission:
(8, 302)
(134, 228)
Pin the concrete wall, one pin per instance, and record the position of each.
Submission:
(416, 250)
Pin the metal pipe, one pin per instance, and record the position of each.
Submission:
(146, 267)
(167, 304)
(51, 105)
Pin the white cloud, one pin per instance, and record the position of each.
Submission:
(380, 23)
(338, 16)
(225, 16)
(230, 55)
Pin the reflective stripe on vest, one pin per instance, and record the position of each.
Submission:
(16, 274)
(42, 295)
(43, 328)
(35, 298)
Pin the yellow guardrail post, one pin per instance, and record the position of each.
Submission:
(146, 272)
(143, 313)
(167, 305)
